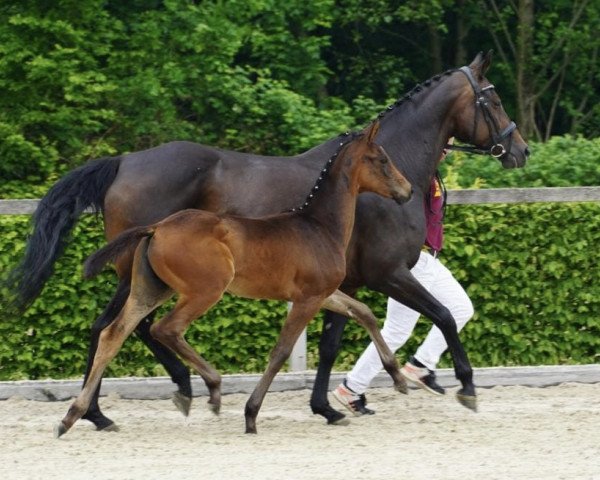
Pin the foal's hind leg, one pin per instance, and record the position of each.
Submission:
(147, 293)
(170, 331)
(111, 340)
(111, 311)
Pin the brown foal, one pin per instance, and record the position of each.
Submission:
(297, 256)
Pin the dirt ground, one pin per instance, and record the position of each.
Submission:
(518, 433)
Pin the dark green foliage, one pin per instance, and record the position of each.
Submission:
(560, 162)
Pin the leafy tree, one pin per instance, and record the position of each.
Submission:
(553, 53)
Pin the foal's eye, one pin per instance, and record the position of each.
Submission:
(383, 160)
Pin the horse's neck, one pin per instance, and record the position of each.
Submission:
(334, 205)
(414, 133)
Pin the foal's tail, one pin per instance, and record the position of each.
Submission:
(53, 220)
(125, 242)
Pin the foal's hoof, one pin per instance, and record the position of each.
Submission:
(469, 401)
(60, 430)
(182, 403)
(401, 386)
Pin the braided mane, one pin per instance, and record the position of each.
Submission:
(325, 170)
(416, 89)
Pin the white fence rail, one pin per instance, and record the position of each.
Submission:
(456, 197)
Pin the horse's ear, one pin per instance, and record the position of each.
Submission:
(371, 131)
(481, 63)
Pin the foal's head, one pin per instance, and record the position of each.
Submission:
(374, 171)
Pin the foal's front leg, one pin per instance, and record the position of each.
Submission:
(170, 331)
(300, 314)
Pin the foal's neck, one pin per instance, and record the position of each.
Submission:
(333, 207)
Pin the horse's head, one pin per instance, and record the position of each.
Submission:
(482, 121)
(375, 172)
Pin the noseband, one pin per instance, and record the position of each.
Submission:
(496, 149)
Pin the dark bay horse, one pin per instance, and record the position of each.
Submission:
(144, 187)
(298, 256)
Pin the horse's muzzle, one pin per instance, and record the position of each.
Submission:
(515, 158)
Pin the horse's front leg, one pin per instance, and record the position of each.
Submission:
(406, 289)
(298, 317)
(329, 345)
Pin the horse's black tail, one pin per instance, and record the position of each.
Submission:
(53, 220)
(124, 242)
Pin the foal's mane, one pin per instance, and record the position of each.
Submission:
(348, 137)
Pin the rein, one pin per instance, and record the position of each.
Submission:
(496, 149)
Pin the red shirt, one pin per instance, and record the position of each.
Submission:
(434, 215)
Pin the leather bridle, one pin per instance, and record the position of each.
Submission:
(495, 148)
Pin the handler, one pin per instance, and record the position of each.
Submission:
(401, 320)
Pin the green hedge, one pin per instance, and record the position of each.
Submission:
(531, 271)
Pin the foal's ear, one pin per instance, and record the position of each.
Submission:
(371, 131)
(481, 63)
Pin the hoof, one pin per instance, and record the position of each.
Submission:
(469, 401)
(215, 408)
(113, 427)
(60, 430)
(401, 386)
(335, 418)
(100, 421)
(106, 425)
(182, 403)
(340, 422)
(332, 416)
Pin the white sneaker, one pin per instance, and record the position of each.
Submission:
(354, 402)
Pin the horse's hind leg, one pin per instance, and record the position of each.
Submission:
(329, 344)
(342, 303)
(170, 331)
(147, 293)
(298, 317)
